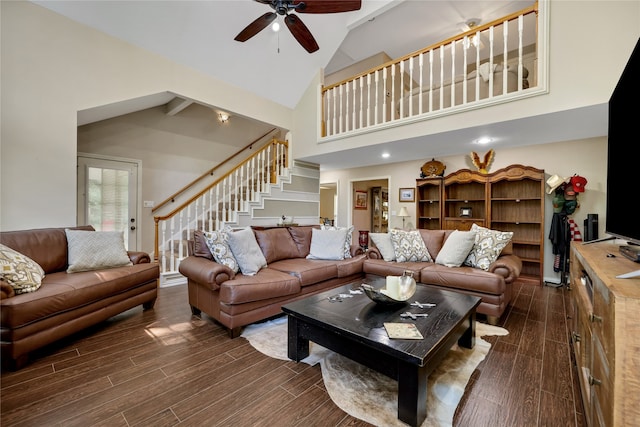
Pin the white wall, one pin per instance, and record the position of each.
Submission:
(53, 67)
(587, 158)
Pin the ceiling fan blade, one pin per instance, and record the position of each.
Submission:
(301, 33)
(327, 6)
(256, 26)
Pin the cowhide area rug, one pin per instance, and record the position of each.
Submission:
(369, 395)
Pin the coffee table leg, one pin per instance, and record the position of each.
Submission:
(468, 338)
(412, 394)
(297, 347)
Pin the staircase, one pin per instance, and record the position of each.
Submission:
(256, 192)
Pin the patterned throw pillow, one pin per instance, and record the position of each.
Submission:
(95, 250)
(409, 246)
(20, 271)
(487, 247)
(347, 242)
(218, 243)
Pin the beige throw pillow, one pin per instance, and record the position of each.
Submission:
(246, 250)
(218, 244)
(384, 245)
(327, 244)
(95, 250)
(348, 240)
(456, 248)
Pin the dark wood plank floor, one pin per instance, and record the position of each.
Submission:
(165, 367)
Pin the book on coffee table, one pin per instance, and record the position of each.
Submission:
(406, 331)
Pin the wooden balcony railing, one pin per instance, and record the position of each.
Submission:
(489, 62)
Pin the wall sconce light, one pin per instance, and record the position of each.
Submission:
(223, 117)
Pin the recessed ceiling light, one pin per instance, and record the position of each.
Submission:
(483, 140)
(386, 155)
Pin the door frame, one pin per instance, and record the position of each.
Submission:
(138, 203)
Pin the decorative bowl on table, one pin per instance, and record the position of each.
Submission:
(397, 291)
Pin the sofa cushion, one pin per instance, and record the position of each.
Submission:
(487, 247)
(433, 240)
(246, 250)
(218, 244)
(456, 248)
(301, 236)
(381, 267)
(307, 271)
(62, 293)
(409, 246)
(348, 240)
(276, 244)
(382, 241)
(19, 271)
(46, 246)
(328, 244)
(267, 284)
(463, 278)
(95, 250)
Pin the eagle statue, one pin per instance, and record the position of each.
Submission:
(482, 165)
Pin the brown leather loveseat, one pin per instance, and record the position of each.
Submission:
(236, 300)
(66, 303)
(493, 286)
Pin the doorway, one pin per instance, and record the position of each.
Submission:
(108, 195)
(328, 203)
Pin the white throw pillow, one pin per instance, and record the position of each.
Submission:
(409, 246)
(348, 240)
(456, 248)
(218, 244)
(384, 245)
(21, 272)
(95, 250)
(246, 250)
(487, 247)
(327, 244)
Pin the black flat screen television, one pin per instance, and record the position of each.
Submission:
(623, 160)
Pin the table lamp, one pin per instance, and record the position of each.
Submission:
(403, 214)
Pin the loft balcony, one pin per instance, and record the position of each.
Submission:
(497, 62)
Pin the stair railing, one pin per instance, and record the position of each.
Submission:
(218, 204)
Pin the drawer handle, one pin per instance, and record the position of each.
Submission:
(576, 337)
(594, 381)
(594, 318)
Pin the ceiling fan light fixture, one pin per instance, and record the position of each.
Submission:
(275, 27)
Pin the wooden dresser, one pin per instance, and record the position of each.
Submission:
(605, 333)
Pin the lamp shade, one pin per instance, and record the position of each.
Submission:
(403, 212)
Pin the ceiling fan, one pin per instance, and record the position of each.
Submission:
(295, 24)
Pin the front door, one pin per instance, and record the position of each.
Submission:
(108, 196)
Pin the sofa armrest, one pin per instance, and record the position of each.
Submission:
(6, 290)
(138, 257)
(374, 253)
(205, 271)
(508, 266)
(356, 250)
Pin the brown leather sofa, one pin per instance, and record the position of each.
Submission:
(492, 286)
(237, 300)
(66, 303)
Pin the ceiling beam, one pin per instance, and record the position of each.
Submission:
(176, 105)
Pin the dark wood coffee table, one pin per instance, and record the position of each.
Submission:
(354, 328)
